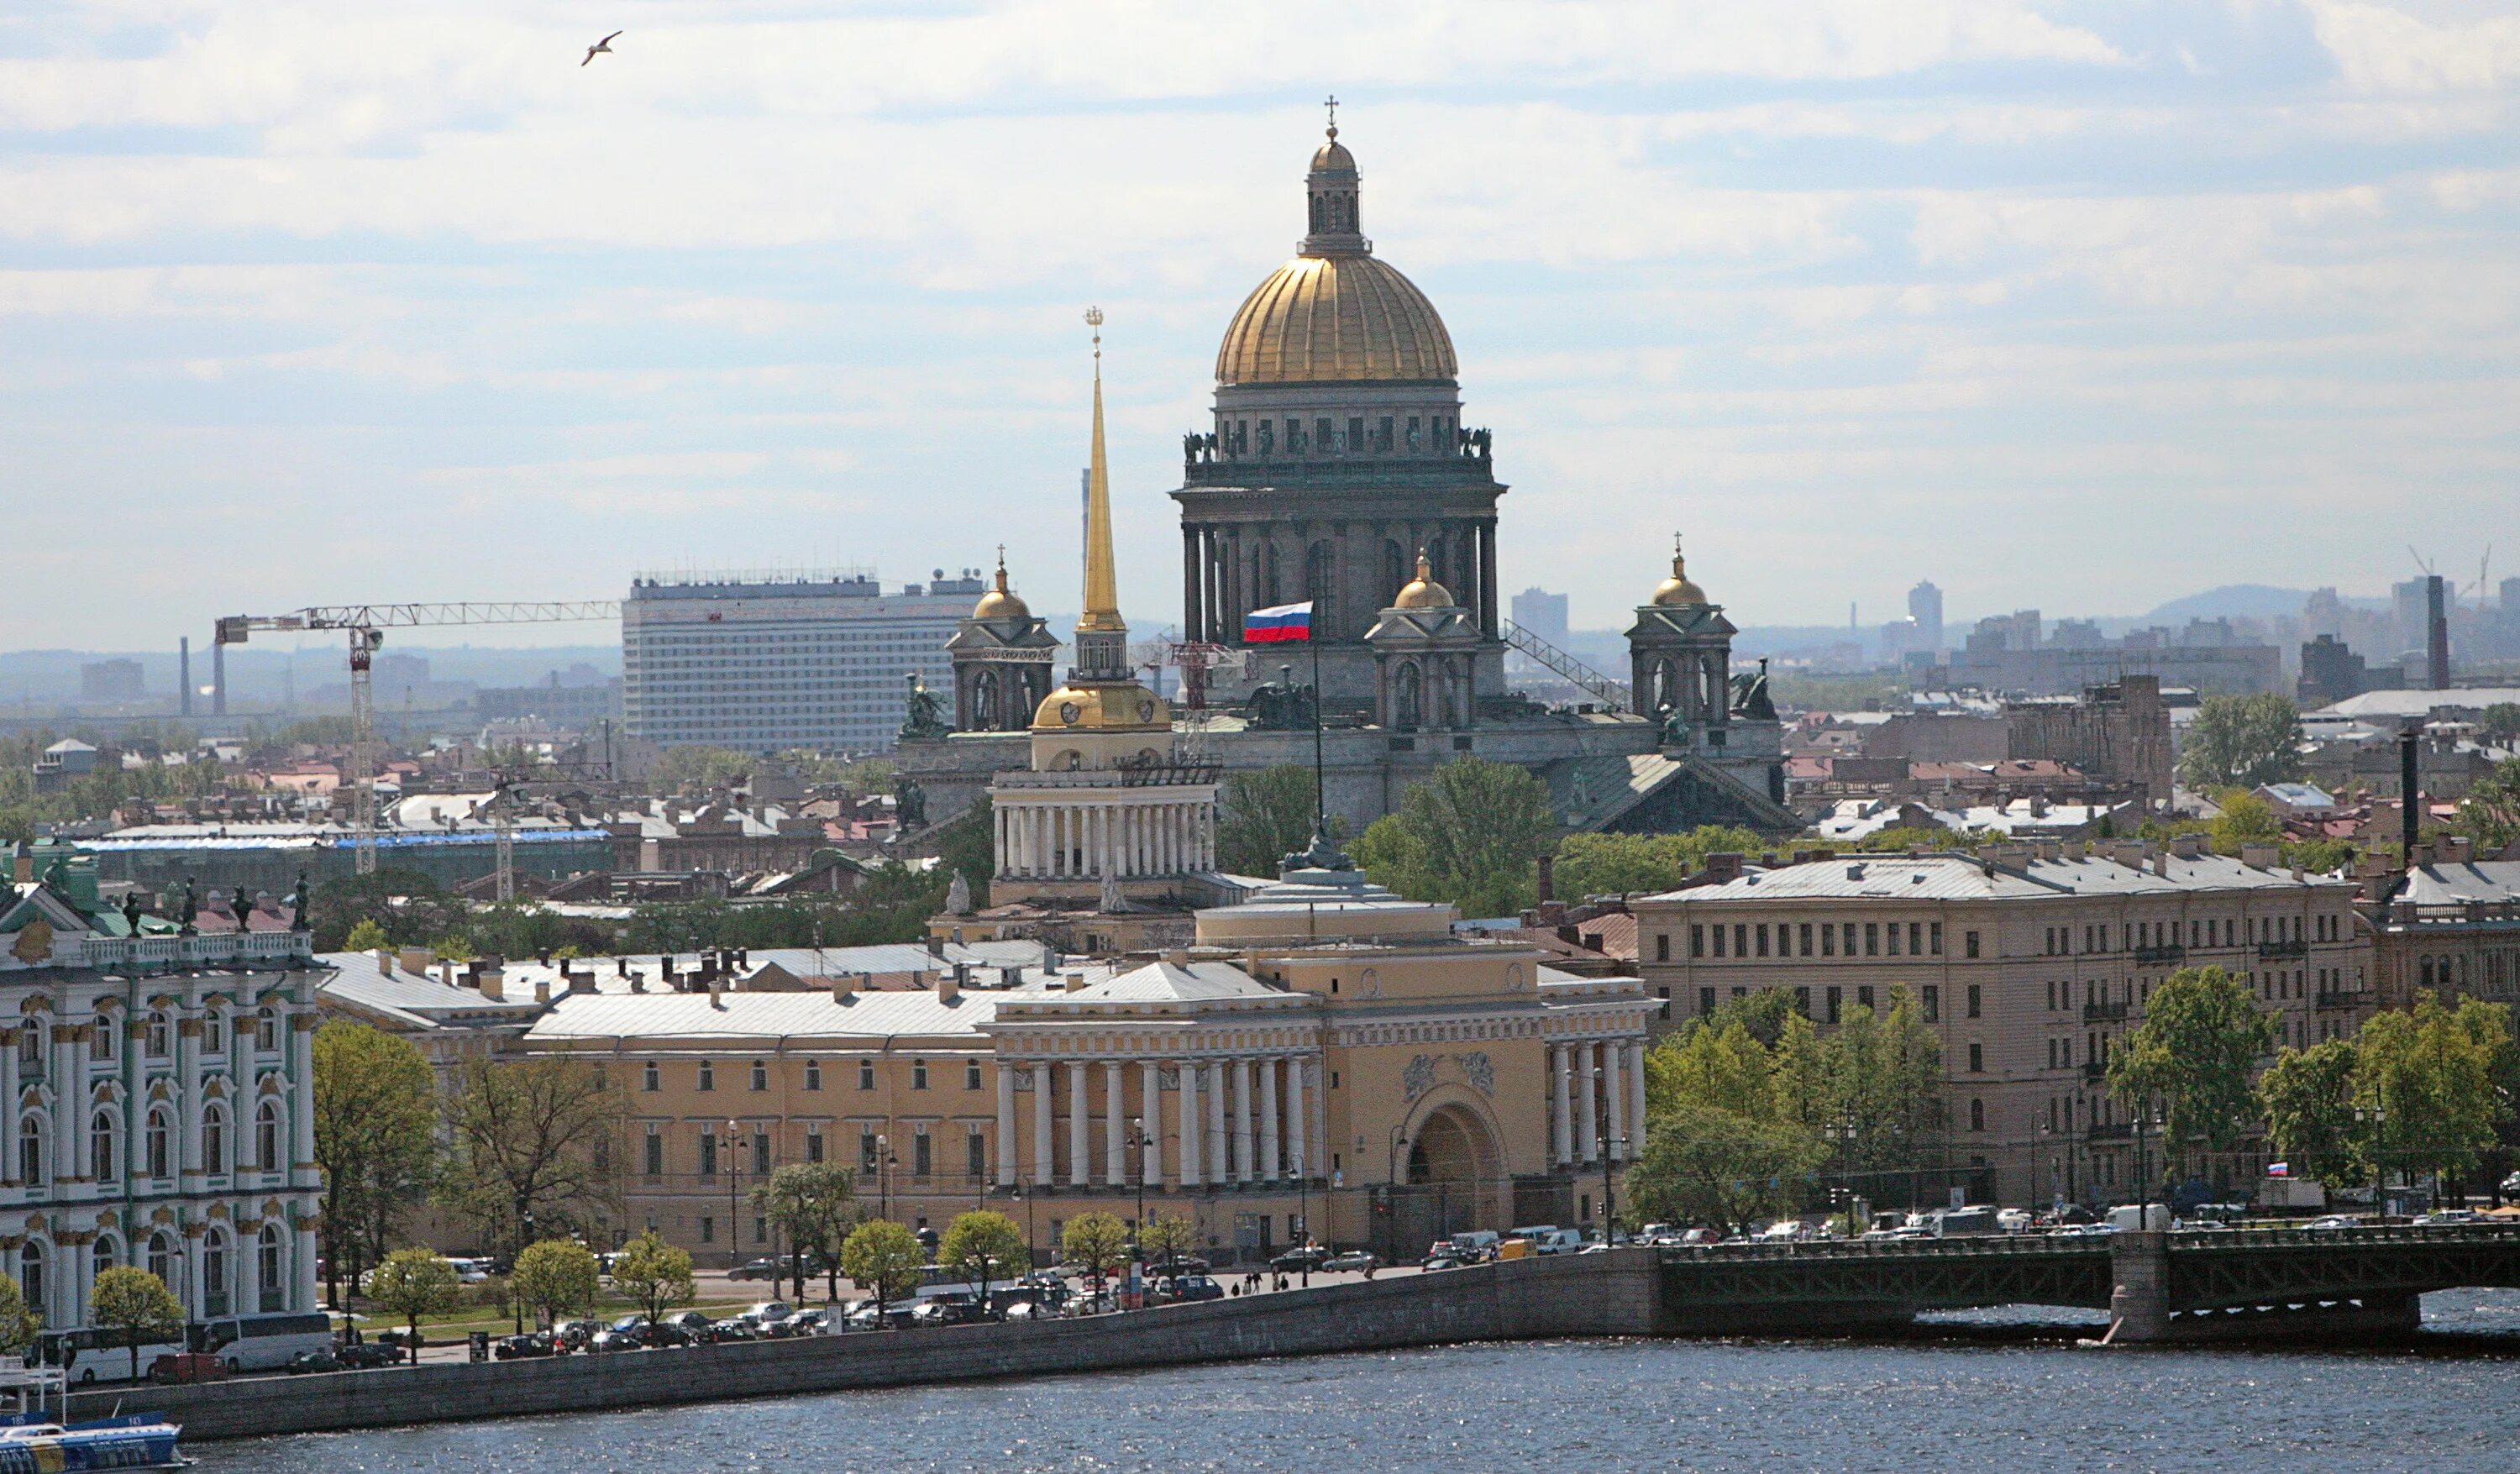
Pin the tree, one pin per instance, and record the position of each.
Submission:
(2307, 1097)
(1099, 1241)
(374, 1138)
(1266, 815)
(1470, 834)
(2502, 721)
(2194, 1053)
(411, 1284)
(1879, 1089)
(813, 1205)
(1167, 1236)
(885, 1258)
(1706, 1165)
(2425, 1079)
(366, 936)
(2241, 741)
(2245, 820)
(533, 1140)
(558, 1276)
(1618, 865)
(969, 846)
(654, 1274)
(981, 1241)
(138, 1304)
(2489, 815)
(18, 1325)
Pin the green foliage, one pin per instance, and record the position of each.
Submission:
(697, 769)
(19, 1325)
(1616, 865)
(2201, 1038)
(2489, 815)
(1881, 1090)
(1265, 817)
(985, 1246)
(2502, 721)
(968, 844)
(376, 1120)
(532, 1139)
(364, 936)
(411, 1284)
(2241, 741)
(95, 794)
(2246, 818)
(2307, 1098)
(884, 1259)
(136, 1302)
(2427, 1081)
(1166, 1236)
(813, 1205)
(2321, 857)
(1096, 1241)
(1898, 839)
(1471, 834)
(1707, 1165)
(408, 907)
(558, 1276)
(893, 904)
(654, 1274)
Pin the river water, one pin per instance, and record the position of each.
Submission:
(1598, 1406)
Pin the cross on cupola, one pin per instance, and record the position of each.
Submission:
(1335, 229)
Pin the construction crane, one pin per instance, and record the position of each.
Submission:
(365, 624)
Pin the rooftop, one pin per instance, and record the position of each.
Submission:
(1965, 877)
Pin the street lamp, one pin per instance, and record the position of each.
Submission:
(883, 1174)
(1032, 1254)
(525, 1236)
(733, 1168)
(1391, 1194)
(1609, 1202)
(1139, 1139)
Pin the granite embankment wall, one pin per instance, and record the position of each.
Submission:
(1586, 1295)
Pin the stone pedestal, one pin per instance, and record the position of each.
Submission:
(2140, 1303)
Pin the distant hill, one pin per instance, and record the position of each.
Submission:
(2233, 601)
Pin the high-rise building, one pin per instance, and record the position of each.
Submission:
(1926, 607)
(111, 681)
(762, 662)
(1542, 613)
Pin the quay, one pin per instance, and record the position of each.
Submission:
(2161, 1288)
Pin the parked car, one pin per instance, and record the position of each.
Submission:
(804, 1323)
(758, 1269)
(732, 1329)
(763, 1314)
(951, 1309)
(2332, 1223)
(314, 1361)
(896, 1316)
(1102, 1303)
(572, 1335)
(363, 1356)
(1187, 1289)
(536, 1343)
(1027, 1310)
(471, 1271)
(1437, 1262)
(1184, 1263)
(695, 1324)
(2013, 1220)
(1300, 1258)
(1352, 1258)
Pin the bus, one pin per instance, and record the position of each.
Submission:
(260, 1343)
(100, 1354)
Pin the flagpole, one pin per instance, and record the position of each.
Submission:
(1320, 785)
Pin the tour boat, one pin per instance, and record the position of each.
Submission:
(141, 1441)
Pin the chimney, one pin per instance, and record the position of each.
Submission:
(935, 946)
(844, 986)
(2436, 634)
(1076, 982)
(1722, 866)
(2161, 863)
(1013, 974)
(1548, 891)
(717, 995)
(2185, 846)
(2409, 816)
(492, 981)
(948, 985)
(579, 982)
(385, 960)
(2457, 849)
(2260, 857)
(542, 990)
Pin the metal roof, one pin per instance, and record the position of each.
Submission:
(1959, 877)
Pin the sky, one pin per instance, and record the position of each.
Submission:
(2074, 306)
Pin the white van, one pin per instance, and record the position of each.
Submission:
(2124, 1218)
(262, 1343)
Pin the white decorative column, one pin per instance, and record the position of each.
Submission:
(1561, 1124)
(1187, 1119)
(1043, 1132)
(302, 1173)
(67, 1106)
(192, 1296)
(1298, 1158)
(81, 1076)
(1637, 1097)
(1243, 1120)
(1006, 1125)
(1220, 1156)
(248, 1268)
(1080, 1130)
(1587, 1134)
(1614, 1105)
(82, 1262)
(1270, 1168)
(242, 1100)
(10, 1090)
(301, 1261)
(1115, 1126)
(1151, 1105)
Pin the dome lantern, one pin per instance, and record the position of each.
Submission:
(1678, 591)
(1422, 592)
(1002, 602)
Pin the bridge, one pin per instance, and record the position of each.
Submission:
(2178, 1286)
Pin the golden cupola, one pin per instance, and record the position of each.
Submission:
(1001, 603)
(1422, 592)
(1678, 591)
(1335, 314)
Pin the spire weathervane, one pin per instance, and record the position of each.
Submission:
(1332, 103)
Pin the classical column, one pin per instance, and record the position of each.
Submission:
(76, 1100)
(1297, 1138)
(1193, 627)
(1270, 1169)
(1562, 1123)
(1637, 1097)
(1587, 1134)
(1243, 1120)
(66, 1105)
(1151, 1105)
(1488, 579)
(1006, 1125)
(1115, 1126)
(301, 1261)
(9, 1092)
(1614, 1105)
(1220, 1157)
(303, 1173)
(1187, 1120)
(192, 1296)
(1080, 1130)
(1042, 1134)
(242, 1097)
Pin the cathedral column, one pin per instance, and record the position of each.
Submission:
(1150, 1110)
(1636, 1098)
(1488, 625)
(1269, 1159)
(1080, 1129)
(1243, 1120)
(1186, 1121)
(1236, 603)
(1562, 1126)
(1006, 1125)
(188, 1074)
(1297, 1138)
(1115, 1125)
(1194, 627)
(1042, 1169)
(1220, 1157)
(1587, 1132)
(1613, 1106)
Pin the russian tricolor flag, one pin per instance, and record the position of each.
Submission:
(1285, 621)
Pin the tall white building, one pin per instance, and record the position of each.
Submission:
(758, 663)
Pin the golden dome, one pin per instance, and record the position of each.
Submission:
(1678, 591)
(1001, 603)
(1422, 592)
(1334, 154)
(1335, 319)
(1117, 707)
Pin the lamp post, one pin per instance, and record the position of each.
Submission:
(1391, 1194)
(525, 1236)
(1032, 1252)
(1139, 1139)
(883, 1174)
(1609, 1200)
(734, 1170)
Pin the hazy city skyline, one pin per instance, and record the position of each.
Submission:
(2067, 306)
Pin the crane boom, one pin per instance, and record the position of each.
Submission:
(366, 623)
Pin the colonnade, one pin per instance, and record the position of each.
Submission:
(1226, 567)
(1088, 838)
(1596, 1100)
(1238, 1119)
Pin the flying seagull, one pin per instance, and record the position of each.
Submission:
(605, 46)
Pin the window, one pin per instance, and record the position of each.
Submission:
(159, 1145)
(1977, 1058)
(1705, 1002)
(1935, 932)
(100, 1038)
(655, 1165)
(761, 1075)
(865, 1074)
(708, 1075)
(1805, 928)
(1893, 939)
(1827, 940)
(652, 1078)
(1871, 938)
(970, 1074)
(30, 1275)
(1977, 1115)
(162, 1034)
(1696, 939)
(1761, 937)
(708, 1153)
(918, 1074)
(1916, 934)
(31, 1152)
(1662, 947)
(1969, 943)
(1802, 1002)
(214, 1139)
(922, 1154)
(866, 1151)
(812, 1074)
(266, 1030)
(1740, 940)
(266, 1136)
(709, 1230)
(214, 1032)
(760, 1230)
(1850, 938)
(1863, 996)
(813, 1143)
(1835, 997)
(214, 1273)
(1976, 1001)
(268, 1263)
(976, 1161)
(760, 1152)
(1931, 996)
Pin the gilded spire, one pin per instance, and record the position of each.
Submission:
(1101, 577)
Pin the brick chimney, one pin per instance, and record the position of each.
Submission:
(1722, 866)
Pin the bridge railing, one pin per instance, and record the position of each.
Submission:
(1896, 1248)
(2369, 1233)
